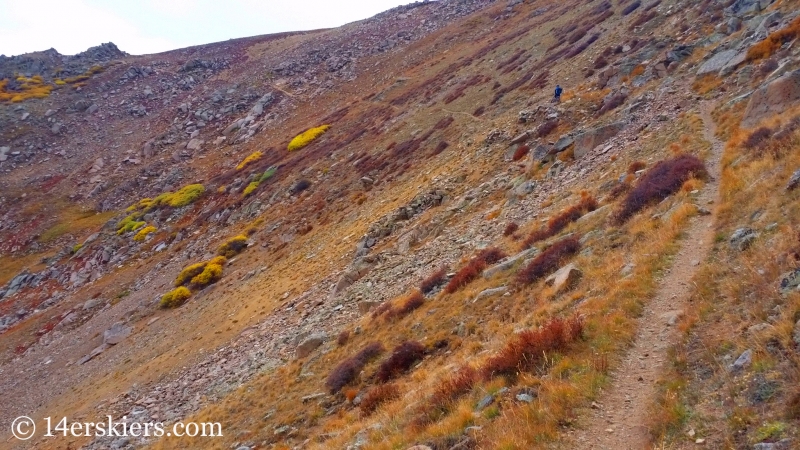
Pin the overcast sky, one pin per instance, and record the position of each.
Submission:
(152, 26)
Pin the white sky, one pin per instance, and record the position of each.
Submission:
(152, 26)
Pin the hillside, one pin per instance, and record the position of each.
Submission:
(389, 236)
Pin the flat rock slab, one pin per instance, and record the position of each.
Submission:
(772, 98)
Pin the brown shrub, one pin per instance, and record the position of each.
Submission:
(643, 18)
(658, 183)
(344, 336)
(636, 166)
(549, 260)
(377, 396)
(774, 41)
(560, 221)
(479, 111)
(511, 228)
(433, 281)
(618, 190)
(600, 62)
(520, 152)
(401, 359)
(348, 370)
(526, 350)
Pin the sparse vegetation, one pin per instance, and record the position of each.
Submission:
(774, 41)
(433, 281)
(560, 221)
(252, 157)
(143, 233)
(378, 395)
(473, 268)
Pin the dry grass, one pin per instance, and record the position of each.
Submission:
(774, 41)
(378, 395)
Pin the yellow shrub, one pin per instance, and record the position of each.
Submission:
(307, 137)
(30, 88)
(233, 246)
(142, 234)
(60, 82)
(184, 196)
(250, 188)
(130, 223)
(255, 156)
(190, 272)
(211, 274)
(176, 297)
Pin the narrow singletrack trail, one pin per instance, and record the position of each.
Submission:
(620, 419)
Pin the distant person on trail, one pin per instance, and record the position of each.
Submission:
(557, 97)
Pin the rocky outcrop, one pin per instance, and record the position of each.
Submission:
(773, 98)
(588, 140)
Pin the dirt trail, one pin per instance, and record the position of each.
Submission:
(621, 421)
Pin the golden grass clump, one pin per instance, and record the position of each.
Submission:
(29, 88)
(189, 272)
(252, 157)
(774, 41)
(233, 246)
(142, 234)
(250, 188)
(184, 196)
(130, 223)
(210, 274)
(307, 137)
(175, 297)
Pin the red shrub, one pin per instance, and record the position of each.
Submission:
(377, 396)
(491, 255)
(479, 111)
(549, 260)
(433, 281)
(562, 220)
(474, 268)
(526, 350)
(511, 228)
(454, 387)
(440, 148)
(658, 183)
(348, 370)
(520, 152)
(401, 359)
(410, 303)
(618, 190)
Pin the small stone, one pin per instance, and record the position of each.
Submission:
(744, 360)
(485, 401)
(527, 398)
(743, 238)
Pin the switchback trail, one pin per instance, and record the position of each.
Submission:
(619, 420)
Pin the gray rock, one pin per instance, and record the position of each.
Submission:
(116, 334)
(717, 62)
(585, 142)
(524, 188)
(490, 293)
(743, 238)
(562, 144)
(195, 144)
(366, 306)
(743, 361)
(672, 317)
(527, 398)
(309, 344)
(485, 402)
(773, 98)
(783, 444)
(565, 278)
(91, 303)
(509, 262)
(4, 153)
(794, 181)
(790, 281)
(796, 333)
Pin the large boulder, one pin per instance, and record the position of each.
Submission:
(719, 61)
(565, 278)
(116, 333)
(773, 98)
(588, 140)
(309, 344)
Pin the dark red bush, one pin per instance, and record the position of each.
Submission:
(560, 221)
(408, 304)
(479, 111)
(401, 359)
(549, 260)
(527, 350)
(511, 228)
(433, 281)
(658, 183)
(520, 152)
(474, 268)
(348, 370)
(344, 336)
